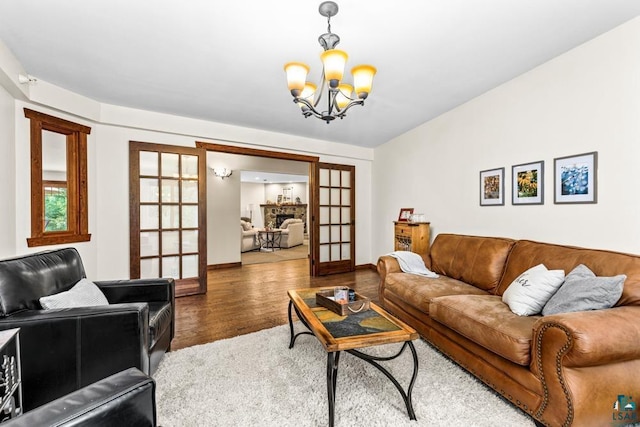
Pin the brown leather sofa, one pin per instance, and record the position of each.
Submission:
(565, 369)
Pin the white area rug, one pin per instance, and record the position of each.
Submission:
(256, 380)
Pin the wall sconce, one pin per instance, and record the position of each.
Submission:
(222, 172)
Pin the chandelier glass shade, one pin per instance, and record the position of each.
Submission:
(340, 96)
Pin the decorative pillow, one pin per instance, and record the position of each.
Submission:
(246, 226)
(583, 290)
(530, 291)
(83, 294)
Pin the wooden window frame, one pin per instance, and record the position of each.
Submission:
(77, 194)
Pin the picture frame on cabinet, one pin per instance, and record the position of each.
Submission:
(576, 178)
(492, 187)
(527, 187)
(405, 214)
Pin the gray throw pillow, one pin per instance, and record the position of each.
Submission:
(582, 290)
(83, 294)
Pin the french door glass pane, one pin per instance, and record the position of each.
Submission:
(149, 268)
(346, 233)
(171, 266)
(335, 233)
(190, 266)
(324, 234)
(189, 191)
(324, 196)
(346, 197)
(149, 243)
(189, 216)
(324, 215)
(335, 196)
(170, 242)
(346, 179)
(335, 252)
(189, 241)
(189, 167)
(148, 163)
(148, 190)
(149, 217)
(335, 215)
(170, 164)
(335, 178)
(170, 216)
(170, 193)
(346, 251)
(324, 178)
(324, 253)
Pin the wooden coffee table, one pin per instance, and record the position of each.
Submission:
(349, 333)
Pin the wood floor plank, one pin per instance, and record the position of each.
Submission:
(241, 300)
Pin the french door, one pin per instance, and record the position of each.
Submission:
(168, 215)
(333, 219)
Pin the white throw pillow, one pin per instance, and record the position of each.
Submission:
(530, 291)
(246, 226)
(83, 294)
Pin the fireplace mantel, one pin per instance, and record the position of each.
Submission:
(269, 212)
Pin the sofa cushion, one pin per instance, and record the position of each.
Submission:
(418, 291)
(246, 226)
(478, 261)
(582, 290)
(487, 321)
(286, 222)
(85, 293)
(531, 290)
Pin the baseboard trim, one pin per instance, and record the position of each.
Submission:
(223, 266)
(367, 267)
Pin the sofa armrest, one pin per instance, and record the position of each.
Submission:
(590, 338)
(138, 290)
(127, 397)
(386, 264)
(65, 349)
(584, 359)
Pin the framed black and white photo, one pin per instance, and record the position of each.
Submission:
(527, 186)
(492, 187)
(576, 178)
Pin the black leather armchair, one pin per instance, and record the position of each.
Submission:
(123, 399)
(63, 350)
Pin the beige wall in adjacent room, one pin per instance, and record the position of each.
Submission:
(587, 99)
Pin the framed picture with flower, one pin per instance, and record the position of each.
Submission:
(492, 187)
(527, 184)
(576, 178)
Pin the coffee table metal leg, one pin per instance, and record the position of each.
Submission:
(294, 336)
(333, 359)
(373, 360)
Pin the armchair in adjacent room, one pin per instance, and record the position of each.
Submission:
(65, 349)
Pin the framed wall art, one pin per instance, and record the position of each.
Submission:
(576, 178)
(492, 187)
(405, 214)
(527, 184)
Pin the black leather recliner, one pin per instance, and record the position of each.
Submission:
(63, 350)
(127, 398)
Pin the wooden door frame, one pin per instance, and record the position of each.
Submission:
(280, 155)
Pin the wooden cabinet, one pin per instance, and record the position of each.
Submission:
(411, 236)
(10, 377)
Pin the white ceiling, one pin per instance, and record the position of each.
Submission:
(223, 61)
(271, 178)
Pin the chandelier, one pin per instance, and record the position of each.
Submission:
(340, 95)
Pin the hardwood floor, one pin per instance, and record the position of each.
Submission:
(246, 299)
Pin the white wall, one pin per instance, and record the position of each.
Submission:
(300, 189)
(7, 175)
(252, 194)
(585, 100)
